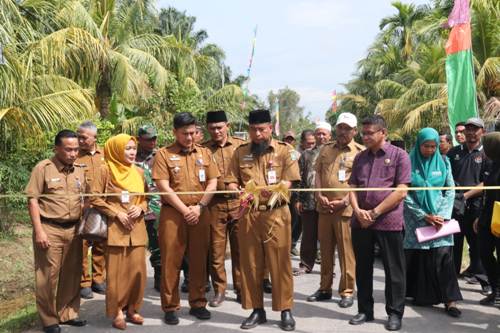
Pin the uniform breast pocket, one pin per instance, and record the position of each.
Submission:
(176, 172)
(388, 171)
(246, 172)
(54, 186)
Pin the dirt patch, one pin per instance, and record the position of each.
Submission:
(17, 276)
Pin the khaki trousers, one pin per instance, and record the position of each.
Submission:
(334, 229)
(220, 232)
(98, 264)
(126, 278)
(265, 240)
(57, 275)
(174, 237)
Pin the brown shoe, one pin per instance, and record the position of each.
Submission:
(217, 300)
(119, 323)
(135, 318)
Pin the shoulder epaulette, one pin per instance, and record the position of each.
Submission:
(80, 165)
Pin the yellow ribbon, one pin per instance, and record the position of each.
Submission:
(251, 194)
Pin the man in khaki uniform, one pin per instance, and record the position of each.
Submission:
(91, 157)
(57, 248)
(265, 234)
(333, 169)
(184, 219)
(224, 210)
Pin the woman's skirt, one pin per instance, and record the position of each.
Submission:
(126, 278)
(431, 277)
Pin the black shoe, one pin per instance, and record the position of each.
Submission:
(99, 288)
(452, 311)
(185, 286)
(267, 286)
(257, 317)
(157, 279)
(320, 295)
(200, 313)
(360, 318)
(75, 322)
(171, 318)
(346, 302)
(393, 323)
(488, 300)
(86, 293)
(52, 329)
(486, 290)
(287, 322)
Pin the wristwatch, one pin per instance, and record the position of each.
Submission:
(202, 205)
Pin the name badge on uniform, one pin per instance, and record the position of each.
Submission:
(342, 175)
(175, 158)
(202, 176)
(125, 197)
(271, 177)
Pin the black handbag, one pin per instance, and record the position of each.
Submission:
(93, 226)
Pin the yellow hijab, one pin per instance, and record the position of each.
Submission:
(123, 174)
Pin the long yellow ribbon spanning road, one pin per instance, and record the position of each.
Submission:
(333, 189)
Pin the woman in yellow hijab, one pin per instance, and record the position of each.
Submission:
(127, 237)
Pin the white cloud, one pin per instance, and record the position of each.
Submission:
(319, 13)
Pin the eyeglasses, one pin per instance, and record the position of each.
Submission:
(458, 132)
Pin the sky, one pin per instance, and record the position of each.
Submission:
(311, 46)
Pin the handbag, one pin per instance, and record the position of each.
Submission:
(428, 233)
(495, 219)
(93, 226)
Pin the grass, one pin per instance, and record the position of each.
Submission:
(22, 319)
(17, 300)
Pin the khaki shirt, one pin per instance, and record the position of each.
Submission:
(280, 157)
(53, 177)
(185, 169)
(91, 163)
(118, 235)
(222, 157)
(330, 161)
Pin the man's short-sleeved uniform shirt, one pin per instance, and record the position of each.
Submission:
(91, 163)
(185, 169)
(279, 162)
(222, 157)
(53, 177)
(334, 165)
(469, 168)
(388, 167)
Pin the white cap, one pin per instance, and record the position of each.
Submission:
(348, 119)
(323, 125)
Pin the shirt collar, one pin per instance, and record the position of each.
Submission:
(61, 167)
(177, 148)
(229, 142)
(351, 145)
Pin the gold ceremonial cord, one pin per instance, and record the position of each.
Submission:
(343, 189)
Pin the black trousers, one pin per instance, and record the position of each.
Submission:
(296, 223)
(393, 258)
(466, 231)
(488, 244)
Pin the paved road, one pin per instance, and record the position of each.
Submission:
(310, 317)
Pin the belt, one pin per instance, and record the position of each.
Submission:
(263, 208)
(66, 224)
(225, 196)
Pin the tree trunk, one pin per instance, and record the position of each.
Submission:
(103, 98)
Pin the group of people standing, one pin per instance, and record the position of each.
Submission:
(188, 227)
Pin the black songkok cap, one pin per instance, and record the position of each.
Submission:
(216, 116)
(259, 117)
